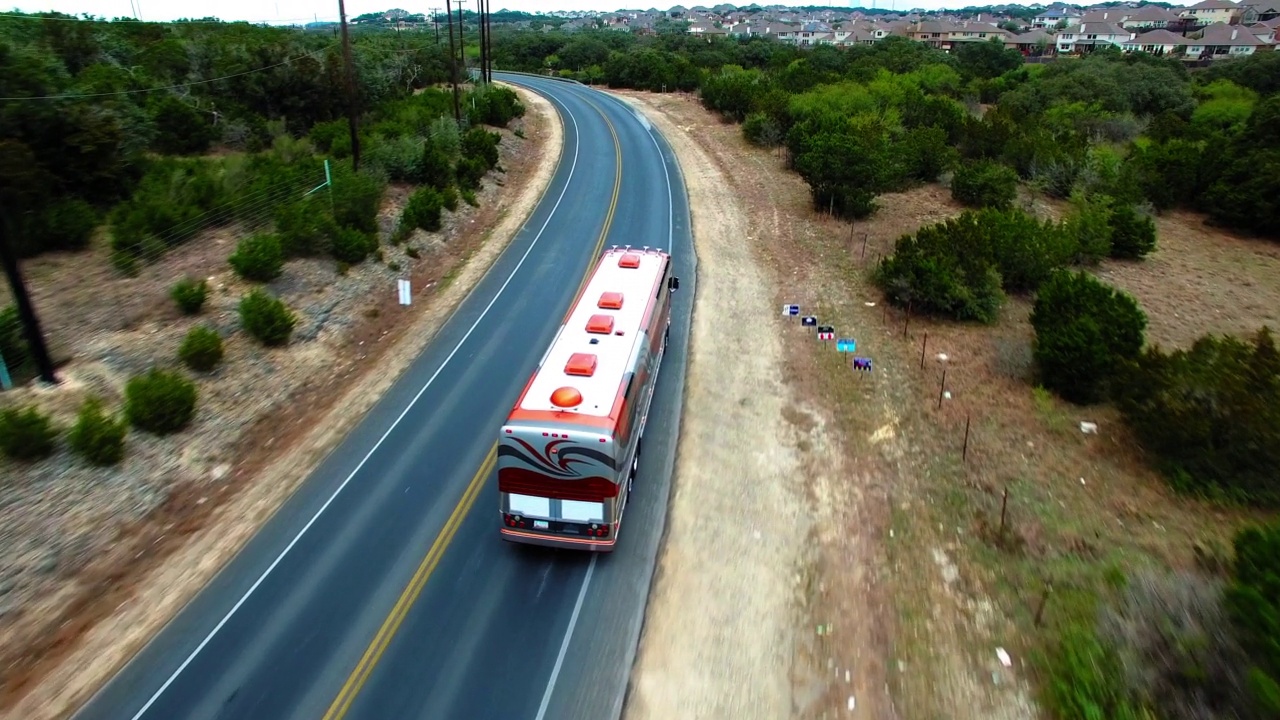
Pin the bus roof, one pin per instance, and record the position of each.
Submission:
(583, 370)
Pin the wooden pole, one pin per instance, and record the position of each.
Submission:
(864, 247)
(1044, 599)
(26, 311)
(907, 323)
(453, 65)
(923, 344)
(1004, 507)
(352, 110)
(964, 453)
(942, 386)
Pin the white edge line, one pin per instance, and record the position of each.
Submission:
(568, 635)
(572, 167)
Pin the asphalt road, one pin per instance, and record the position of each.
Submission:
(381, 588)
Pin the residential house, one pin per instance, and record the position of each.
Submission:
(1148, 17)
(1266, 34)
(1156, 42)
(1208, 12)
(1260, 12)
(1221, 40)
(1051, 16)
(1033, 44)
(934, 33)
(978, 32)
(1087, 36)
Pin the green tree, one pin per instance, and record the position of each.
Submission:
(1253, 599)
(1085, 333)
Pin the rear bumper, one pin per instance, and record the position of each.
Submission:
(558, 541)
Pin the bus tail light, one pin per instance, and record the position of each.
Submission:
(598, 530)
(514, 521)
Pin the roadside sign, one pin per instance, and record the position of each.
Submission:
(862, 364)
(846, 345)
(809, 321)
(790, 310)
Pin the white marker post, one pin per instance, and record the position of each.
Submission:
(405, 296)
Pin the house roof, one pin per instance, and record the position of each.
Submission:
(1030, 38)
(1112, 15)
(1224, 34)
(1099, 28)
(1213, 5)
(1158, 37)
(1151, 13)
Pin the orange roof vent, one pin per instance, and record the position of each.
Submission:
(629, 260)
(566, 397)
(582, 364)
(610, 301)
(600, 324)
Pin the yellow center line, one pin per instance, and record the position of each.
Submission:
(360, 675)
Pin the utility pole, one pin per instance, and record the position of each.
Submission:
(453, 64)
(488, 39)
(480, 17)
(435, 21)
(462, 43)
(26, 313)
(352, 111)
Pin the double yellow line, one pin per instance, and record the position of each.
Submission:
(360, 675)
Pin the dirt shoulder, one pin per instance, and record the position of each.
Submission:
(131, 548)
(763, 499)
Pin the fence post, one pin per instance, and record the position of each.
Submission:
(6, 382)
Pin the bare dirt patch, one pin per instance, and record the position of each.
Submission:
(95, 562)
(912, 586)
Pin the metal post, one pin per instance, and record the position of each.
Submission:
(924, 343)
(942, 386)
(964, 453)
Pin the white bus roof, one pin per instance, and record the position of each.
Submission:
(593, 350)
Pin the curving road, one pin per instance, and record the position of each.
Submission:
(381, 588)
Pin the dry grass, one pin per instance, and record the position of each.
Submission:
(917, 575)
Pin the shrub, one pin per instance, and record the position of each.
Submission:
(189, 294)
(96, 436)
(1089, 227)
(1253, 602)
(352, 246)
(400, 158)
(1133, 234)
(160, 402)
(27, 434)
(201, 349)
(1085, 679)
(470, 197)
(304, 229)
(437, 169)
(985, 184)
(449, 195)
(1179, 655)
(357, 197)
(470, 172)
(423, 210)
(481, 144)
(926, 154)
(1085, 332)
(1210, 415)
(266, 318)
(944, 269)
(258, 258)
(761, 129)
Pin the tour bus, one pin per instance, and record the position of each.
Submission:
(568, 452)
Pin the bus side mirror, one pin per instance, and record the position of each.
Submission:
(673, 283)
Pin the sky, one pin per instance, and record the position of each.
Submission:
(285, 11)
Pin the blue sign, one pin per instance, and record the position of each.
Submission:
(809, 320)
(846, 345)
(790, 310)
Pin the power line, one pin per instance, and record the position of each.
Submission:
(177, 23)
